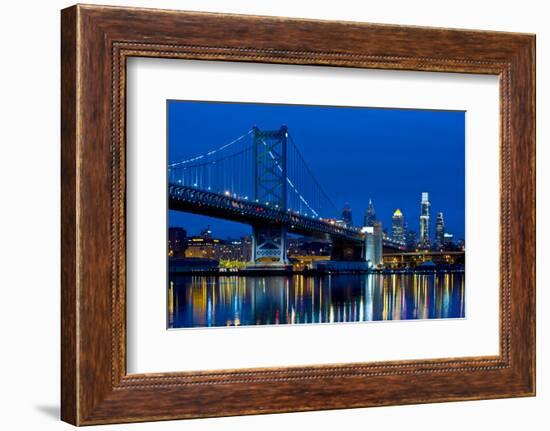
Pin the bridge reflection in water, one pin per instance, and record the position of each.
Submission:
(209, 301)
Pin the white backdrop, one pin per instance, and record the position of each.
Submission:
(29, 160)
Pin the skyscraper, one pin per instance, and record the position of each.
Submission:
(398, 226)
(177, 241)
(370, 215)
(425, 221)
(346, 215)
(448, 239)
(439, 230)
(410, 239)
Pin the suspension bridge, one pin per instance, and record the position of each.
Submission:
(262, 179)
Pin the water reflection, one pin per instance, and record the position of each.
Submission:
(199, 301)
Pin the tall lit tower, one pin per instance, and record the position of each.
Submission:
(398, 226)
(425, 221)
(370, 215)
(346, 215)
(439, 230)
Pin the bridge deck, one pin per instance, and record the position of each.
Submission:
(190, 199)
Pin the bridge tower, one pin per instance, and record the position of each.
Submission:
(269, 241)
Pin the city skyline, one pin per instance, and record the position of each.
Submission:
(369, 217)
(389, 156)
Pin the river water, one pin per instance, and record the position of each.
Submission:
(208, 301)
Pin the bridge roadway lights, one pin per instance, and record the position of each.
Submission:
(190, 199)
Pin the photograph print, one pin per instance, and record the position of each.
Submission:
(298, 214)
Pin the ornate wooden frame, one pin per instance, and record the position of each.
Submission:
(95, 43)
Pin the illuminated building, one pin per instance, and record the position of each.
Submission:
(206, 233)
(199, 247)
(346, 215)
(413, 259)
(411, 239)
(234, 250)
(398, 227)
(439, 231)
(177, 241)
(228, 251)
(308, 247)
(425, 221)
(370, 215)
(448, 240)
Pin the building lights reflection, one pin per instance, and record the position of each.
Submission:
(206, 301)
(171, 304)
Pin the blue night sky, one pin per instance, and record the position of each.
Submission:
(389, 155)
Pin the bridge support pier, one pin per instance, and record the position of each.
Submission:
(269, 244)
(347, 251)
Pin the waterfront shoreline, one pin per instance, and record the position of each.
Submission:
(308, 272)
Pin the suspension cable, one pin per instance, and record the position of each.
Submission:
(211, 152)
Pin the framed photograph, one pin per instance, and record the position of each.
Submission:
(267, 215)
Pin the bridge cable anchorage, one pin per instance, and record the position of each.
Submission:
(211, 152)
